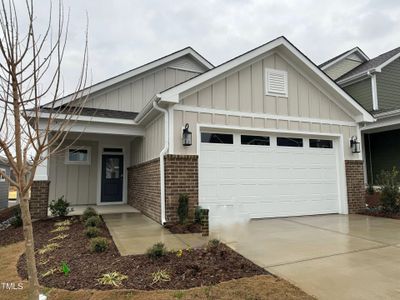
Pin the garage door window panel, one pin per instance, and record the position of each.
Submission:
(216, 138)
(318, 143)
(289, 142)
(254, 140)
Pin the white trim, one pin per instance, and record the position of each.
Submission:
(260, 115)
(267, 73)
(374, 92)
(387, 114)
(3, 179)
(390, 60)
(344, 55)
(99, 173)
(341, 173)
(186, 70)
(73, 162)
(171, 129)
(173, 94)
(137, 71)
(382, 123)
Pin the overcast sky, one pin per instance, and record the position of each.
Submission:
(124, 34)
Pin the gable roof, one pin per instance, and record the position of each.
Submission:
(172, 94)
(343, 55)
(374, 64)
(134, 72)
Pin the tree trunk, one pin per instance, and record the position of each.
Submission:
(29, 248)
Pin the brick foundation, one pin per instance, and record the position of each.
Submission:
(144, 188)
(355, 185)
(205, 227)
(39, 202)
(181, 176)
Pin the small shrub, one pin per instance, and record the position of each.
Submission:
(16, 220)
(89, 212)
(183, 208)
(214, 243)
(389, 182)
(157, 250)
(65, 268)
(99, 244)
(61, 236)
(92, 232)
(63, 223)
(60, 228)
(197, 215)
(48, 248)
(114, 279)
(179, 253)
(59, 207)
(93, 221)
(370, 189)
(160, 275)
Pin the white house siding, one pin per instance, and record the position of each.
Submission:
(134, 94)
(244, 91)
(149, 147)
(343, 66)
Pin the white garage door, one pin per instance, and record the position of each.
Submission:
(243, 176)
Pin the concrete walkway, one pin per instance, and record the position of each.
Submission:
(134, 233)
(330, 256)
(77, 210)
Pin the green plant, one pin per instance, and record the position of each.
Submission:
(179, 294)
(63, 223)
(183, 208)
(179, 253)
(93, 221)
(48, 248)
(61, 236)
(99, 244)
(157, 250)
(370, 189)
(389, 182)
(89, 212)
(113, 278)
(60, 228)
(49, 272)
(160, 275)
(197, 214)
(214, 243)
(65, 268)
(92, 232)
(59, 207)
(16, 220)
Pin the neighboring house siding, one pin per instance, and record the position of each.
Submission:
(135, 93)
(244, 91)
(388, 86)
(4, 186)
(149, 147)
(362, 92)
(343, 66)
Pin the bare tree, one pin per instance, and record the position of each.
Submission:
(30, 75)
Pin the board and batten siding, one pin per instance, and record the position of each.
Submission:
(343, 66)
(388, 86)
(150, 145)
(362, 92)
(244, 91)
(135, 93)
(77, 183)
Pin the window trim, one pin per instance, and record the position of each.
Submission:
(286, 84)
(3, 179)
(69, 162)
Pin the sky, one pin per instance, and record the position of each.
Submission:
(124, 34)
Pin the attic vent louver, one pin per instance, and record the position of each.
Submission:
(276, 83)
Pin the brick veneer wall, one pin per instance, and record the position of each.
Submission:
(355, 185)
(39, 202)
(181, 176)
(144, 188)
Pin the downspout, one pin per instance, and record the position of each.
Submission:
(162, 165)
(375, 105)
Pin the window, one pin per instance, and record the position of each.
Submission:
(2, 178)
(315, 143)
(289, 142)
(216, 138)
(276, 83)
(113, 150)
(78, 155)
(254, 140)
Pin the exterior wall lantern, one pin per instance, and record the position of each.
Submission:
(354, 145)
(186, 136)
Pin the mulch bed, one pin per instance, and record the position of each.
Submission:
(380, 213)
(196, 267)
(184, 228)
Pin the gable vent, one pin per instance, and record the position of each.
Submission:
(276, 83)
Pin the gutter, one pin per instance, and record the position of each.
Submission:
(162, 153)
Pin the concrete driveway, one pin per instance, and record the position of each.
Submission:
(329, 256)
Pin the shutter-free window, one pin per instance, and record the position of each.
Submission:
(276, 83)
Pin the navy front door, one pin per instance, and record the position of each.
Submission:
(112, 178)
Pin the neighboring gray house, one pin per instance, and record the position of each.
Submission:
(375, 84)
(265, 134)
(4, 185)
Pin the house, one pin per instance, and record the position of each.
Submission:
(375, 84)
(265, 134)
(4, 184)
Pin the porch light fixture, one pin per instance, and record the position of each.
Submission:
(186, 136)
(354, 145)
